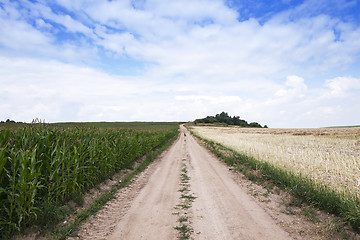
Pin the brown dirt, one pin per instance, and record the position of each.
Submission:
(227, 206)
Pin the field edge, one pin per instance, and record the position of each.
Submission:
(308, 192)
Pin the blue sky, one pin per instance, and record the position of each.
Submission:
(289, 63)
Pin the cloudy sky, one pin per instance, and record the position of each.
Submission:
(284, 63)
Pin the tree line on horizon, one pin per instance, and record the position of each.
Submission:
(9, 121)
(225, 118)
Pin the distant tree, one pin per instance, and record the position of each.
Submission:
(210, 119)
(10, 121)
(255, 125)
(224, 117)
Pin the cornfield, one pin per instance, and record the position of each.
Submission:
(43, 165)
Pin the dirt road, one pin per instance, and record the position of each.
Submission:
(149, 207)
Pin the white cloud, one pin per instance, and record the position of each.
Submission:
(295, 88)
(62, 92)
(17, 34)
(209, 99)
(20, 38)
(197, 60)
(40, 23)
(45, 12)
(205, 38)
(198, 11)
(341, 86)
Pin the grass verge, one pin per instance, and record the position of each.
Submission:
(72, 227)
(306, 190)
(186, 199)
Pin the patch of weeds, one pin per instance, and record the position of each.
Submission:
(186, 203)
(50, 215)
(311, 215)
(289, 211)
(186, 185)
(184, 189)
(79, 199)
(188, 197)
(267, 193)
(277, 191)
(335, 227)
(295, 202)
(292, 203)
(185, 231)
(345, 236)
(185, 178)
(183, 219)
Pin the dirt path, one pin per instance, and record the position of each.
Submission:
(147, 208)
(222, 208)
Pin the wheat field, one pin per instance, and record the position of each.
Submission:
(327, 156)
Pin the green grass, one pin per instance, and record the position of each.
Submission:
(355, 126)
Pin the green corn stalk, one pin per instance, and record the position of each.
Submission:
(50, 165)
(4, 138)
(23, 185)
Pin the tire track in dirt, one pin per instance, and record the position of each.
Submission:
(222, 208)
(150, 216)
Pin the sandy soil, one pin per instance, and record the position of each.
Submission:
(227, 206)
(222, 208)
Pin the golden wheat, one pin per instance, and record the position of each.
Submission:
(330, 159)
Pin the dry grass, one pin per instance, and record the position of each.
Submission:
(328, 156)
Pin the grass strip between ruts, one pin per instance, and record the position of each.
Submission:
(63, 233)
(306, 190)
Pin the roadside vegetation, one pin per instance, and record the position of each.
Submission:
(319, 169)
(44, 166)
